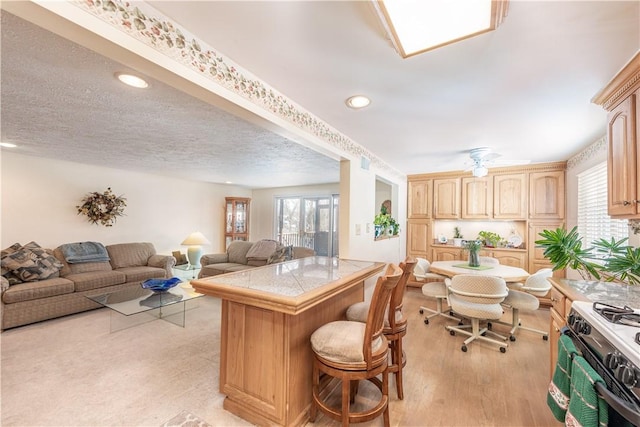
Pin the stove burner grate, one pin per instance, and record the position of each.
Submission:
(620, 315)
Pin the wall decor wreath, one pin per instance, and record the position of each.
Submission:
(102, 208)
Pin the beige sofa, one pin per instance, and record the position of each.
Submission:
(242, 255)
(65, 292)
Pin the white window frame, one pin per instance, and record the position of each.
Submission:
(594, 223)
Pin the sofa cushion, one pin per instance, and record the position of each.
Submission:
(36, 290)
(32, 262)
(238, 267)
(237, 251)
(262, 250)
(138, 274)
(219, 268)
(96, 279)
(83, 267)
(130, 254)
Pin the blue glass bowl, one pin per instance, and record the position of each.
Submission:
(161, 285)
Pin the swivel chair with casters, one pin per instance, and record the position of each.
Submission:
(437, 290)
(523, 297)
(351, 351)
(395, 323)
(477, 298)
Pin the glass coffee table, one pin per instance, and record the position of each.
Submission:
(135, 306)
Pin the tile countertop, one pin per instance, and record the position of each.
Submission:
(606, 292)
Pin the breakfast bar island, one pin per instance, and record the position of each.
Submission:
(268, 316)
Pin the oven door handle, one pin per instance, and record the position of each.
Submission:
(622, 407)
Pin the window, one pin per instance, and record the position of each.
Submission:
(593, 221)
(311, 222)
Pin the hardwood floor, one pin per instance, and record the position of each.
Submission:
(444, 386)
(72, 372)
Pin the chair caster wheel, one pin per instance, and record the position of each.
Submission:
(421, 311)
(503, 350)
(512, 338)
(460, 323)
(464, 348)
(545, 337)
(484, 334)
(489, 326)
(452, 332)
(426, 321)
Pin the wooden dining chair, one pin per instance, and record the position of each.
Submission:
(395, 322)
(351, 351)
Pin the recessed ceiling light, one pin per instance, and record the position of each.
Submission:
(358, 101)
(228, 182)
(7, 145)
(131, 80)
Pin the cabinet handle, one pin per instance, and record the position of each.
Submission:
(626, 203)
(553, 299)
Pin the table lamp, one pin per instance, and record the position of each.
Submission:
(194, 252)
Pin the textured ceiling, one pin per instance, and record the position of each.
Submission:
(61, 101)
(524, 90)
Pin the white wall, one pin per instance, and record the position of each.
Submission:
(39, 199)
(263, 200)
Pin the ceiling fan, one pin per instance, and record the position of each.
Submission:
(483, 157)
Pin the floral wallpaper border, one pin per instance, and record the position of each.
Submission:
(595, 148)
(147, 25)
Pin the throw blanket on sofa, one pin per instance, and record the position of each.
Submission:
(262, 249)
(75, 253)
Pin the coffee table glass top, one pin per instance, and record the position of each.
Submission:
(139, 300)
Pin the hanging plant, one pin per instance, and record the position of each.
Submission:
(102, 208)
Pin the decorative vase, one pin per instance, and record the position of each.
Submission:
(474, 259)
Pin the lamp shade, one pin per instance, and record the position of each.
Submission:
(195, 239)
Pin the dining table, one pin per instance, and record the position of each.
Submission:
(452, 268)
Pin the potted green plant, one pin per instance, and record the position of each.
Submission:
(384, 224)
(610, 260)
(490, 238)
(474, 246)
(457, 236)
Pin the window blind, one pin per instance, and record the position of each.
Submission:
(593, 221)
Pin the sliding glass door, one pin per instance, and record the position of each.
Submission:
(311, 222)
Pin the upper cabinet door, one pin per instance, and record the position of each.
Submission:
(547, 200)
(623, 158)
(420, 199)
(477, 198)
(510, 196)
(446, 198)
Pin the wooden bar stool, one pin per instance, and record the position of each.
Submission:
(353, 351)
(395, 322)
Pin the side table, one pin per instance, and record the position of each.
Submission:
(186, 268)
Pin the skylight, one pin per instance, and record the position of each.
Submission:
(416, 26)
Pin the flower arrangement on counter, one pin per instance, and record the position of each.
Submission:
(102, 208)
(384, 224)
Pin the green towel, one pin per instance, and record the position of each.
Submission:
(560, 386)
(586, 407)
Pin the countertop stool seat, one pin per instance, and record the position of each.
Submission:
(395, 328)
(351, 351)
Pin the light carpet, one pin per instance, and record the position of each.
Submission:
(186, 419)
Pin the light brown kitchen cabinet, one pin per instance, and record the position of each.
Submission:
(447, 253)
(537, 259)
(477, 197)
(623, 159)
(510, 196)
(510, 257)
(418, 236)
(547, 195)
(621, 98)
(446, 198)
(419, 199)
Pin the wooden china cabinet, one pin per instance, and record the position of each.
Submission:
(236, 219)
